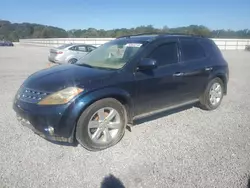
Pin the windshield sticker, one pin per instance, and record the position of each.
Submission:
(133, 45)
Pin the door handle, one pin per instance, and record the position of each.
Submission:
(178, 74)
(208, 68)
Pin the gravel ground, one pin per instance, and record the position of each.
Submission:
(191, 148)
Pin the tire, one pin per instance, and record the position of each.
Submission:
(72, 61)
(205, 100)
(84, 132)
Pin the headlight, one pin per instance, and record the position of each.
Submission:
(61, 97)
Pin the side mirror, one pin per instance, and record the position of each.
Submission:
(147, 64)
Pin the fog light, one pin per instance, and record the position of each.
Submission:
(50, 130)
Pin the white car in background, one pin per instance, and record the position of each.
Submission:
(69, 53)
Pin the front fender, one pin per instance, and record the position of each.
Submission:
(82, 102)
(122, 95)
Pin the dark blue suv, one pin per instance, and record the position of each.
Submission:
(94, 99)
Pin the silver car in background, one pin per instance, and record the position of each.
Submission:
(69, 53)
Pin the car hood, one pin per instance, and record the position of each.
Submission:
(62, 76)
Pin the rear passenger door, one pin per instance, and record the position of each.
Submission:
(195, 71)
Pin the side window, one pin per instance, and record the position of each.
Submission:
(165, 54)
(82, 48)
(211, 47)
(90, 48)
(73, 48)
(191, 50)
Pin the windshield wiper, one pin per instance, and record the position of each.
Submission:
(85, 65)
(94, 67)
(105, 68)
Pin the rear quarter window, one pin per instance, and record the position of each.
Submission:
(191, 50)
(210, 47)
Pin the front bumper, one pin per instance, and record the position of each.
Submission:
(40, 118)
(45, 135)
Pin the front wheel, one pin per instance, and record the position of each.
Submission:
(101, 125)
(213, 95)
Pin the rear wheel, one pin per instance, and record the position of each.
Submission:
(101, 125)
(213, 95)
(72, 61)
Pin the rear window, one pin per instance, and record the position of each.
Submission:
(191, 50)
(64, 46)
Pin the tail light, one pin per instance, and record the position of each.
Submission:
(60, 52)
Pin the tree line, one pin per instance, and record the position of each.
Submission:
(15, 31)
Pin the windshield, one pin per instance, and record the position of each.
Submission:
(111, 55)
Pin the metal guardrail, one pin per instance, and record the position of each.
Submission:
(223, 44)
(232, 44)
(60, 41)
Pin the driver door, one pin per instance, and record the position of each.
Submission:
(160, 87)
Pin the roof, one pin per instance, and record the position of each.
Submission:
(139, 38)
(152, 36)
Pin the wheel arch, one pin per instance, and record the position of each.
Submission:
(83, 102)
(221, 74)
(70, 57)
(224, 80)
(120, 95)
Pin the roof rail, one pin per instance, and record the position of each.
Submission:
(160, 34)
(139, 34)
(184, 34)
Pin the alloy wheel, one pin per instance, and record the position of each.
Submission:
(215, 94)
(104, 125)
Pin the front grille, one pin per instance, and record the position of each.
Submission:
(31, 96)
